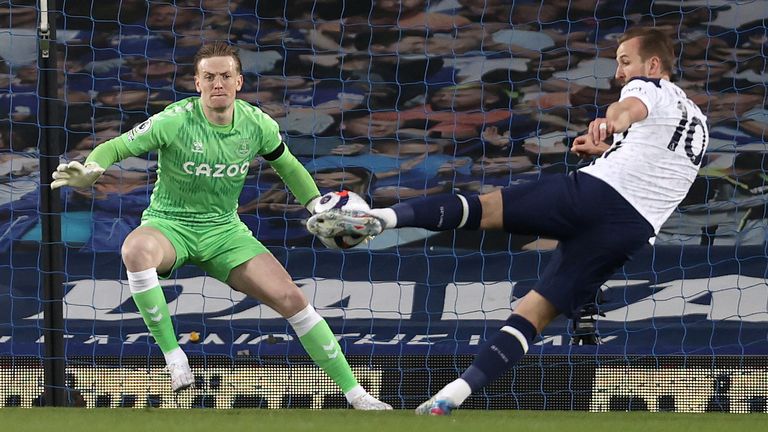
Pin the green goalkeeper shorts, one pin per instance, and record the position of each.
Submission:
(216, 249)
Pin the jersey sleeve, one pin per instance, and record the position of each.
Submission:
(270, 135)
(109, 152)
(296, 177)
(648, 91)
(153, 133)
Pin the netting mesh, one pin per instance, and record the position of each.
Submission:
(392, 100)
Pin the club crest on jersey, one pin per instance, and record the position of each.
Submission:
(141, 128)
(243, 150)
(197, 147)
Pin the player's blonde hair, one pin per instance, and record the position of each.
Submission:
(218, 49)
(653, 43)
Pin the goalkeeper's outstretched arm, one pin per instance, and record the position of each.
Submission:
(294, 175)
(77, 175)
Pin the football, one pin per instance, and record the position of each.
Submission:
(346, 201)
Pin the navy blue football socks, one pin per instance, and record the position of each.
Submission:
(500, 353)
(440, 212)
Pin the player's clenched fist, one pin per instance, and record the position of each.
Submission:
(75, 174)
(600, 129)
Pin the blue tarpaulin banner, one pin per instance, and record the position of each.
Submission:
(667, 300)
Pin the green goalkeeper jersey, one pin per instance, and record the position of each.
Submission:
(201, 166)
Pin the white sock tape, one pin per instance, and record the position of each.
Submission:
(464, 211)
(144, 280)
(518, 335)
(304, 320)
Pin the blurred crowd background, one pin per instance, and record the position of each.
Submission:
(391, 99)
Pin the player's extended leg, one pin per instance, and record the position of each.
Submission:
(144, 251)
(576, 270)
(435, 213)
(544, 207)
(499, 354)
(263, 278)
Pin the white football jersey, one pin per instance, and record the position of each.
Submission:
(654, 162)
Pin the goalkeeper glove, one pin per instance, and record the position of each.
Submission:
(77, 175)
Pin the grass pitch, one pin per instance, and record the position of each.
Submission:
(208, 420)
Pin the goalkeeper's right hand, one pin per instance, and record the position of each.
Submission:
(77, 175)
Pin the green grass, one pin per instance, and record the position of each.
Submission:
(117, 420)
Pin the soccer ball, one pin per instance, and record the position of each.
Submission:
(346, 201)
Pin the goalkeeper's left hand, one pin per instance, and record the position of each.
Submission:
(77, 175)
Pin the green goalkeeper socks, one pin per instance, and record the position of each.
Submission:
(320, 343)
(149, 298)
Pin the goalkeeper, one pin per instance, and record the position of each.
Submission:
(205, 145)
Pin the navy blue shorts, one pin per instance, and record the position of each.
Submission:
(597, 228)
